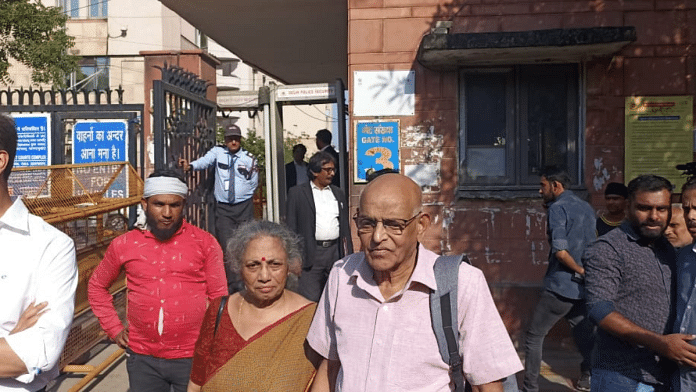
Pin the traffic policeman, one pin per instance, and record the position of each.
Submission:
(236, 179)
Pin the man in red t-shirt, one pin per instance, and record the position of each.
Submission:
(173, 269)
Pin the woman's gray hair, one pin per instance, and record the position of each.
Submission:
(251, 230)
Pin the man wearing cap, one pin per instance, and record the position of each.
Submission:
(173, 270)
(615, 196)
(236, 179)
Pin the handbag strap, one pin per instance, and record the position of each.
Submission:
(223, 302)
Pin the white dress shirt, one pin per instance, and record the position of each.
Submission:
(326, 205)
(37, 264)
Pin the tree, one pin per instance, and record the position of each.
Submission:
(35, 35)
(256, 145)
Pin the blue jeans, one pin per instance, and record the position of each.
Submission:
(550, 309)
(610, 381)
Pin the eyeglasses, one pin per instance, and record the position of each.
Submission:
(392, 226)
(329, 169)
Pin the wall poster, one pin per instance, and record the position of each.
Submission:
(658, 137)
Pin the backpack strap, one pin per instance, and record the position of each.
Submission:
(443, 315)
(223, 302)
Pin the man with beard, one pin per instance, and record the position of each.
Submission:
(570, 228)
(685, 378)
(173, 269)
(629, 288)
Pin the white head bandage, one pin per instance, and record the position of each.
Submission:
(164, 186)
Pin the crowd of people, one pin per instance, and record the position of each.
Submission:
(212, 312)
(627, 293)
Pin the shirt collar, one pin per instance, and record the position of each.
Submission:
(565, 194)
(236, 154)
(423, 273)
(314, 186)
(16, 217)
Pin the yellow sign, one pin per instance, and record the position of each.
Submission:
(658, 136)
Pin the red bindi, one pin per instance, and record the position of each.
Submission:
(263, 259)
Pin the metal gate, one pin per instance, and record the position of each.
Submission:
(67, 106)
(64, 108)
(184, 127)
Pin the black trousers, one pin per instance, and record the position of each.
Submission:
(227, 218)
(152, 374)
(313, 278)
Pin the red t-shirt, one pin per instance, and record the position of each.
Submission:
(171, 280)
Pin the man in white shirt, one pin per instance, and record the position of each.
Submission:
(38, 278)
(318, 212)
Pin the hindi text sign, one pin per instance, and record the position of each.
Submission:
(376, 147)
(658, 136)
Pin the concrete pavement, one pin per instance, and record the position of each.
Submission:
(558, 372)
(113, 379)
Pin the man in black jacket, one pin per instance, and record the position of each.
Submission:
(324, 144)
(318, 212)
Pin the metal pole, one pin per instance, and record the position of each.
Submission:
(265, 104)
(158, 122)
(342, 145)
(276, 127)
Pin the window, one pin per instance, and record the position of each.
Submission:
(92, 8)
(93, 74)
(70, 7)
(98, 8)
(516, 120)
(228, 67)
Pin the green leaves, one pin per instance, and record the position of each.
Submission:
(36, 36)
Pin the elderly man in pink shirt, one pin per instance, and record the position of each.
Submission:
(373, 325)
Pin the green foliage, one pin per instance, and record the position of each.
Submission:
(35, 35)
(256, 145)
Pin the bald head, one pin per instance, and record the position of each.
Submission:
(390, 223)
(394, 188)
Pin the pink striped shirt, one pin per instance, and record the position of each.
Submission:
(389, 345)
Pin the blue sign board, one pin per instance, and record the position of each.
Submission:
(33, 140)
(376, 147)
(103, 141)
(95, 142)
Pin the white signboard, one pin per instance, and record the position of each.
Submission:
(306, 92)
(234, 99)
(384, 93)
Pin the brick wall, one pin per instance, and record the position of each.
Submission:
(506, 239)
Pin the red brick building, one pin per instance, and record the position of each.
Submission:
(557, 80)
(502, 87)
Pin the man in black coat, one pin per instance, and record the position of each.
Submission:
(296, 171)
(324, 144)
(318, 212)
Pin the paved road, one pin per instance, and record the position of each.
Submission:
(560, 367)
(113, 379)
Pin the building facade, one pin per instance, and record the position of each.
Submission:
(503, 88)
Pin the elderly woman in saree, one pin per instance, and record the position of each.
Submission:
(254, 340)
